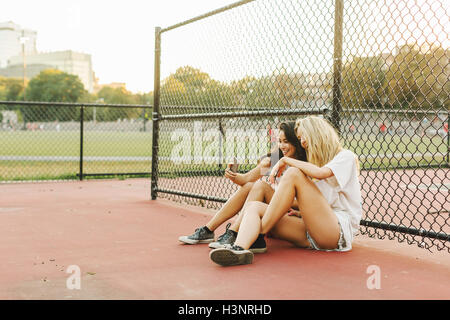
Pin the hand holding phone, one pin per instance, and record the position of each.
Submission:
(234, 166)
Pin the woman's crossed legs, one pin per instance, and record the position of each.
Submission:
(317, 216)
(318, 219)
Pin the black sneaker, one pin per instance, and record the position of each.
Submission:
(259, 246)
(227, 238)
(231, 256)
(201, 235)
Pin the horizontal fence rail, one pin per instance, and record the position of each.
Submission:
(70, 104)
(242, 114)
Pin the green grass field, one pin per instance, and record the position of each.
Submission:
(26, 143)
(18, 145)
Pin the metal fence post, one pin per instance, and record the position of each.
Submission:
(81, 140)
(155, 114)
(337, 63)
(448, 140)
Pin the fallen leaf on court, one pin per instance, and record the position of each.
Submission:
(90, 273)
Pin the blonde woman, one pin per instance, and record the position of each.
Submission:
(328, 195)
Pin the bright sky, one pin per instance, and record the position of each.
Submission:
(118, 34)
(255, 39)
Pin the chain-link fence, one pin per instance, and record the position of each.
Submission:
(60, 141)
(379, 70)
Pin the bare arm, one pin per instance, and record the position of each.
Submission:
(308, 169)
(250, 176)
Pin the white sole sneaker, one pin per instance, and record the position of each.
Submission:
(186, 240)
(259, 250)
(227, 257)
(217, 245)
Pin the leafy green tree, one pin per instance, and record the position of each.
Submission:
(111, 95)
(362, 83)
(15, 90)
(269, 91)
(191, 87)
(144, 98)
(418, 77)
(401, 78)
(241, 89)
(53, 85)
(214, 94)
(173, 92)
(11, 89)
(3, 89)
(433, 80)
(191, 78)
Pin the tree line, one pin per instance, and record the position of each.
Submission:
(409, 78)
(53, 85)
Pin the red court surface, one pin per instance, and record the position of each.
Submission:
(126, 247)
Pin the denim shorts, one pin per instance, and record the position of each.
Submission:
(345, 235)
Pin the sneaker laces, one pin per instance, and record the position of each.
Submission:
(233, 247)
(226, 235)
(197, 231)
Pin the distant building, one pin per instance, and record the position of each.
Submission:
(16, 71)
(68, 61)
(10, 44)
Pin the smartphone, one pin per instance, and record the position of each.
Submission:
(234, 166)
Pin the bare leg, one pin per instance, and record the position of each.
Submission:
(231, 207)
(251, 224)
(261, 191)
(291, 229)
(318, 218)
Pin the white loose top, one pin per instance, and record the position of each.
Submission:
(343, 190)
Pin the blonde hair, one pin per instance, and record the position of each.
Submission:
(323, 140)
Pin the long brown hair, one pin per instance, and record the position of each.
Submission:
(290, 133)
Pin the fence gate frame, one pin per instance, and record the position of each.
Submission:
(334, 115)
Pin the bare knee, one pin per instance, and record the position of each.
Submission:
(260, 186)
(254, 207)
(293, 176)
(293, 173)
(248, 186)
